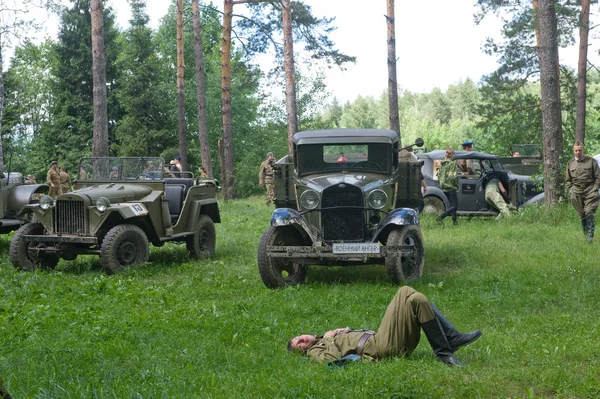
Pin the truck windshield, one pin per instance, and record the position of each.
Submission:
(359, 157)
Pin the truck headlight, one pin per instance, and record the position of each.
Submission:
(377, 199)
(46, 202)
(102, 203)
(309, 199)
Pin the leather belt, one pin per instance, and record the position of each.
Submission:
(362, 341)
(268, 175)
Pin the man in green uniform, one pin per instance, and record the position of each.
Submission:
(65, 180)
(398, 334)
(53, 179)
(497, 197)
(583, 181)
(265, 177)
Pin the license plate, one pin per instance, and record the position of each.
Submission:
(358, 248)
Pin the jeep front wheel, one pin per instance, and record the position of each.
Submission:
(279, 272)
(30, 255)
(201, 244)
(405, 267)
(124, 245)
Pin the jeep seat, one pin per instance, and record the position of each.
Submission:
(185, 182)
(174, 194)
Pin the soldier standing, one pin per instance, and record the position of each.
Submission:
(65, 180)
(583, 181)
(466, 165)
(265, 177)
(53, 179)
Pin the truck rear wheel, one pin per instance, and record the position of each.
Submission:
(433, 205)
(402, 267)
(201, 244)
(25, 255)
(124, 245)
(280, 272)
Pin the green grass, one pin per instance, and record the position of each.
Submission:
(176, 328)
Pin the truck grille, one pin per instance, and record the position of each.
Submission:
(70, 217)
(345, 220)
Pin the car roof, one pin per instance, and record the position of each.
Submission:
(441, 154)
(342, 135)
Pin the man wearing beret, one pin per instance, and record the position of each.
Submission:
(466, 165)
(53, 179)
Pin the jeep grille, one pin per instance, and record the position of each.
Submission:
(342, 214)
(70, 217)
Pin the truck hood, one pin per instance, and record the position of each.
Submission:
(115, 192)
(364, 180)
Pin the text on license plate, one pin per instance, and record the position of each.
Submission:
(358, 248)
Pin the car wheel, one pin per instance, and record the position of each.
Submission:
(279, 272)
(405, 267)
(25, 255)
(433, 205)
(201, 244)
(124, 245)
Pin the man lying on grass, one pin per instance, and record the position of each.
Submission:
(398, 334)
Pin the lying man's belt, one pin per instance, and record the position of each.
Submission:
(268, 175)
(362, 341)
(581, 186)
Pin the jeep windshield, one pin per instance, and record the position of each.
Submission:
(118, 168)
(358, 157)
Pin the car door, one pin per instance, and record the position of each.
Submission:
(470, 193)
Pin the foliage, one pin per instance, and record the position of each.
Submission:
(210, 329)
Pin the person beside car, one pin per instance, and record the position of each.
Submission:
(583, 182)
(466, 165)
(448, 179)
(398, 334)
(65, 180)
(53, 179)
(497, 197)
(265, 177)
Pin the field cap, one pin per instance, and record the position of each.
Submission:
(466, 143)
(178, 158)
(269, 154)
(54, 163)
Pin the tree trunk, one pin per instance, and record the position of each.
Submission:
(228, 172)
(180, 98)
(551, 113)
(201, 91)
(392, 79)
(1, 103)
(290, 72)
(222, 166)
(584, 30)
(100, 140)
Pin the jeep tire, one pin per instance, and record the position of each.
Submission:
(279, 272)
(124, 245)
(201, 244)
(22, 254)
(402, 267)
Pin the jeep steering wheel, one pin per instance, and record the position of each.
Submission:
(365, 164)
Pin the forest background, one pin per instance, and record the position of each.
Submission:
(48, 107)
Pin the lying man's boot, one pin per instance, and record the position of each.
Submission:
(590, 227)
(584, 225)
(456, 339)
(437, 339)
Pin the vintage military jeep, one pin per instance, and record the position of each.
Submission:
(118, 206)
(344, 199)
(14, 195)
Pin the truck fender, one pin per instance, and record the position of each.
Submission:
(397, 217)
(291, 217)
(19, 196)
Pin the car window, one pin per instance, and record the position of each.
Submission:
(359, 157)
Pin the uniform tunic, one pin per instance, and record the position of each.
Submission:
(65, 182)
(398, 333)
(265, 176)
(53, 179)
(583, 181)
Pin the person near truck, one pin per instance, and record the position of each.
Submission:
(53, 179)
(398, 334)
(448, 179)
(583, 182)
(265, 177)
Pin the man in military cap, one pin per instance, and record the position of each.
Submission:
(583, 181)
(53, 179)
(265, 177)
(466, 165)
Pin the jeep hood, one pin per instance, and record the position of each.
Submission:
(115, 192)
(359, 180)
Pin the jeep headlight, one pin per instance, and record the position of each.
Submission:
(377, 199)
(102, 203)
(46, 202)
(309, 199)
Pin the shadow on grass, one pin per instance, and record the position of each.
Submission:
(343, 275)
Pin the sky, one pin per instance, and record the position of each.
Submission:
(436, 45)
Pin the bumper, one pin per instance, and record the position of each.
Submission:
(62, 239)
(326, 252)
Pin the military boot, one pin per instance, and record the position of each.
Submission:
(456, 339)
(590, 227)
(440, 345)
(584, 225)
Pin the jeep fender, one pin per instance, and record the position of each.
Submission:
(397, 217)
(196, 210)
(291, 217)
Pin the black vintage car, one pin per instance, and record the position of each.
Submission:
(471, 191)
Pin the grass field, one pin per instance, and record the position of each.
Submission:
(176, 328)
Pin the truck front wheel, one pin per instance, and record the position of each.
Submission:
(279, 272)
(405, 267)
(124, 245)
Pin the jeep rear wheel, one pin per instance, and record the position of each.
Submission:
(401, 267)
(279, 272)
(124, 245)
(201, 244)
(433, 205)
(29, 255)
